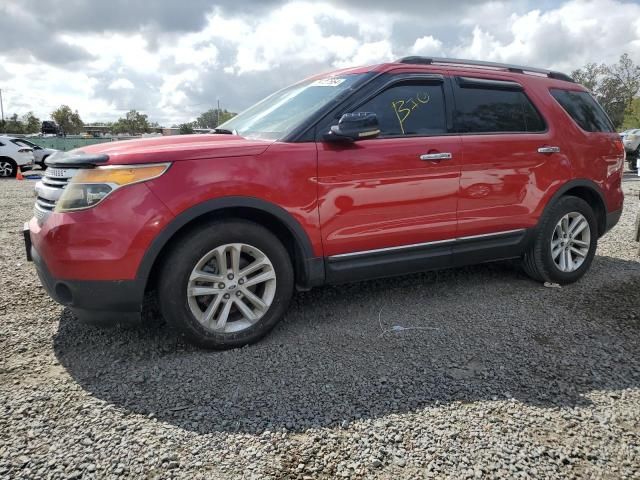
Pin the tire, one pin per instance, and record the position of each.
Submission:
(633, 159)
(539, 262)
(8, 168)
(199, 316)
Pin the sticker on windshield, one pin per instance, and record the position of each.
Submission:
(328, 82)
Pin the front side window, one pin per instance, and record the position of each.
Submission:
(486, 110)
(279, 114)
(411, 109)
(584, 110)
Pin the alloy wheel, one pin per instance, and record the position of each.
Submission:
(570, 242)
(231, 288)
(6, 169)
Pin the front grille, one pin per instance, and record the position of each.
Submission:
(49, 189)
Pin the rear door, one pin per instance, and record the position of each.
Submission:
(512, 156)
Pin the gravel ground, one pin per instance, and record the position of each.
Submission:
(468, 373)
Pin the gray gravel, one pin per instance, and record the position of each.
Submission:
(469, 373)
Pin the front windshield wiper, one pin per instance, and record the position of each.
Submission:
(225, 131)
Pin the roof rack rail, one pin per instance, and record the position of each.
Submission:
(475, 63)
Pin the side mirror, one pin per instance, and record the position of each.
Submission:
(353, 127)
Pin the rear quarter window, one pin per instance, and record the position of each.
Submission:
(584, 110)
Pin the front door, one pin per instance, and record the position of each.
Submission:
(389, 203)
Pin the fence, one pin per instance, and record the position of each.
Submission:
(68, 143)
(71, 142)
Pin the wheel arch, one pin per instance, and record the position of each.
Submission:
(309, 270)
(588, 191)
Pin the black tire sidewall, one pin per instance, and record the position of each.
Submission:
(566, 205)
(172, 285)
(13, 164)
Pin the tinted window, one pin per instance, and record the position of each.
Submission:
(584, 110)
(482, 110)
(409, 109)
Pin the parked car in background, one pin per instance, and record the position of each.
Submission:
(49, 128)
(631, 141)
(40, 154)
(367, 172)
(13, 155)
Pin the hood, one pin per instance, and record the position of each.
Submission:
(174, 148)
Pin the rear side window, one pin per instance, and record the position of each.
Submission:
(409, 110)
(487, 110)
(584, 110)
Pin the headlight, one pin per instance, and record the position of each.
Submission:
(89, 187)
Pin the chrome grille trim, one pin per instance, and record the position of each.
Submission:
(41, 202)
(49, 190)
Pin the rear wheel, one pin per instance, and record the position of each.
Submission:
(564, 244)
(632, 158)
(226, 284)
(7, 167)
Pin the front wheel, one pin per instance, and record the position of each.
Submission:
(226, 284)
(565, 242)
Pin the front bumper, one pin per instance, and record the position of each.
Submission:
(88, 260)
(93, 300)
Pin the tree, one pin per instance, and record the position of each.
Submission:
(31, 123)
(13, 125)
(632, 115)
(589, 75)
(134, 123)
(186, 128)
(68, 121)
(209, 119)
(614, 86)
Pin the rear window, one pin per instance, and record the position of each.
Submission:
(485, 110)
(584, 110)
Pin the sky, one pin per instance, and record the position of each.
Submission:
(173, 59)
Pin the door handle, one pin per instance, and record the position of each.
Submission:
(549, 150)
(434, 157)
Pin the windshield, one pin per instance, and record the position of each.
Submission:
(278, 114)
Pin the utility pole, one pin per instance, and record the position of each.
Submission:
(218, 114)
(1, 106)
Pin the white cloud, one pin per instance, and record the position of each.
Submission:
(427, 46)
(564, 38)
(121, 84)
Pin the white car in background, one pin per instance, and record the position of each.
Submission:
(40, 154)
(631, 141)
(14, 155)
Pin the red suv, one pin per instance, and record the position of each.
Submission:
(368, 172)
